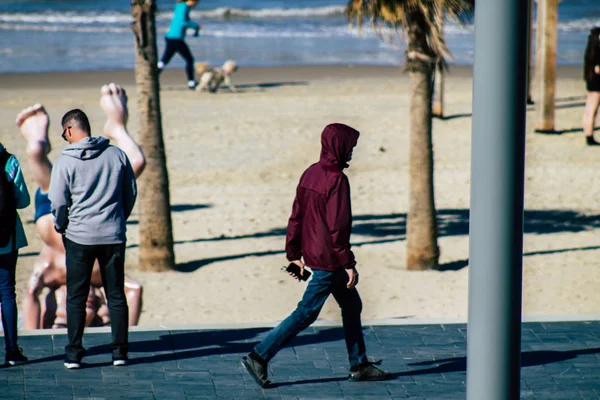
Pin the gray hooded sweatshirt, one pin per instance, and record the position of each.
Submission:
(92, 190)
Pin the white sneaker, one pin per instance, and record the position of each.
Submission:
(120, 362)
(72, 365)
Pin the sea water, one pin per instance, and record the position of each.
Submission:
(51, 35)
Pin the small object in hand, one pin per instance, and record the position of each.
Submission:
(295, 270)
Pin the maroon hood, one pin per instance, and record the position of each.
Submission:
(337, 141)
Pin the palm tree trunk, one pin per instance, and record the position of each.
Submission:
(529, 53)
(438, 93)
(548, 11)
(156, 232)
(438, 90)
(539, 31)
(422, 251)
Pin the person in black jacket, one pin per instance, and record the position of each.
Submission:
(591, 72)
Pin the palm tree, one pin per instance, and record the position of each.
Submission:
(547, 20)
(156, 231)
(439, 78)
(417, 20)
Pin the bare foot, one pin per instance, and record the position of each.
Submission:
(113, 101)
(33, 123)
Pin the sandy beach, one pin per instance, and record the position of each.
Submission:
(234, 161)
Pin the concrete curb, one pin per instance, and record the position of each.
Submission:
(249, 325)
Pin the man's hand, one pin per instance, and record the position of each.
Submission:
(352, 278)
(301, 265)
(597, 69)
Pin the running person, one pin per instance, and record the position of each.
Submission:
(174, 39)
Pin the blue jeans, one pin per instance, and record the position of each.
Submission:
(8, 266)
(322, 284)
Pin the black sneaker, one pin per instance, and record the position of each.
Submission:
(590, 141)
(368, 372)
(15, 357)
(120, 361)
(257, 369)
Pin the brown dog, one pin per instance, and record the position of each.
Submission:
(211, 78)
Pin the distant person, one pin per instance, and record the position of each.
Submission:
(50, 269)
(591, 74)
(319, 232)
(174, 39)
(13, 195)
(92, 192)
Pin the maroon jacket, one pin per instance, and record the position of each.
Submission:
(321, 221)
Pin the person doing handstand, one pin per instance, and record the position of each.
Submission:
(50, 266)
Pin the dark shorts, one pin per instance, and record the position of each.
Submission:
(42, 204)
(593, 85)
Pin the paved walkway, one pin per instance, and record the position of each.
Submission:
(561, 360)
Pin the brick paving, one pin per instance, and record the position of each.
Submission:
(561, 360)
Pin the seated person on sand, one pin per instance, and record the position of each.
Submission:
(50, 267)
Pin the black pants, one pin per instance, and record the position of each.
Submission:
(179, 46)
(80, 261)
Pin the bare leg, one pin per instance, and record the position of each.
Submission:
(46, 273)
(113, 101)
(61, 308)
(591, 109)
(33, 123)
(133, 291)
(32, 309)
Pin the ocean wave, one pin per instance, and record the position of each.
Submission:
(66, 18)
(54, 17)
(584, 24)
(103, 21)
(58, 28)
(266, 13)
(228, 31)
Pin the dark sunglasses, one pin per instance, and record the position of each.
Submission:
(64, 133)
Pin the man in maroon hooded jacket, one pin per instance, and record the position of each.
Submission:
(319, 232)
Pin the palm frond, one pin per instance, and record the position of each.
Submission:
(420, 20)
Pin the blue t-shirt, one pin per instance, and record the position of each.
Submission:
(180, 22)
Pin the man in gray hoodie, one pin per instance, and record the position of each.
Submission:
(93, 191)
